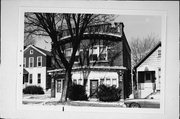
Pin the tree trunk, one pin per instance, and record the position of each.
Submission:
(67, 84)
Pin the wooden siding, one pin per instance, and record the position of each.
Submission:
(34, 55)
(153, 61)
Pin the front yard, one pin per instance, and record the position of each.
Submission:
(47, 100)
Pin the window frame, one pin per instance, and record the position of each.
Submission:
(31, 52)
(104, 52)
(30, 78)
(96, 50)
(24, 62)
(39, 78)
(40, 61)
(30, 62)
(114, 80)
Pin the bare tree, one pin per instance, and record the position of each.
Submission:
(140, 47)
(54, 25)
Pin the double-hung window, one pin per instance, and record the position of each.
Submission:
(30, 78)
(39, 78)
(24, 62)
(31, 61)
(102, 53)
(80, 81)
(39, 61)
(75, 81)
(114, 82)
(98, 52)
(108, 82)
(93, 53)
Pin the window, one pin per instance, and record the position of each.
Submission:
(30, 78)
(39, 61)
(93, 57)
(93, 50)
(59, 86)
(108, 82)
(102, 53)
(68, 52)
(159, 73)
(31, 62)
(39, 78)
(101, 81)
(140, 77)
(74, 81)
(102, 57)
(80, 81)
(24, 62)
(159, 53)
(114, 82)
(93, 54)
(98, 53)
(31, 52)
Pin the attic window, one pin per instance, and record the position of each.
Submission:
(159, 53)
(31, 52)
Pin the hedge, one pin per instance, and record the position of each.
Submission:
(108, 93)
(77, 92)
(33, 90)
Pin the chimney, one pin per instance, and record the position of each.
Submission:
(119, 27)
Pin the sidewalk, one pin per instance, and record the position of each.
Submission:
(47, 100)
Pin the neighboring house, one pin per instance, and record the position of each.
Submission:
(148, 72)
(35, 63)
(105, 60)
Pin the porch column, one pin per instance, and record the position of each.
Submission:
(138, 92)
(121, 84)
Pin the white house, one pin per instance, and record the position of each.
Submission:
(148, 72)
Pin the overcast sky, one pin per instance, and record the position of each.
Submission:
(141, 26)
(135, 26)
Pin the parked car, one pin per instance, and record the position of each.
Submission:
(151, 101)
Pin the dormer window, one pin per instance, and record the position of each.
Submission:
(31, 52)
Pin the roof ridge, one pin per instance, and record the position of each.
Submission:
(42, 50)
(148, 54)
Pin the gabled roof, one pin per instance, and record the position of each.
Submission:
(147, 55)
(42, 51)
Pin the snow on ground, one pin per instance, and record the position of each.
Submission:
(47, 101)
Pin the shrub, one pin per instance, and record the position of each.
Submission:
(77, 92)
(108, 93)
(33, 90)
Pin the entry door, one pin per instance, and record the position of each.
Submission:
(59, 87)
(93, 88)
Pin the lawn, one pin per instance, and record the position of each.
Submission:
(47, 100)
